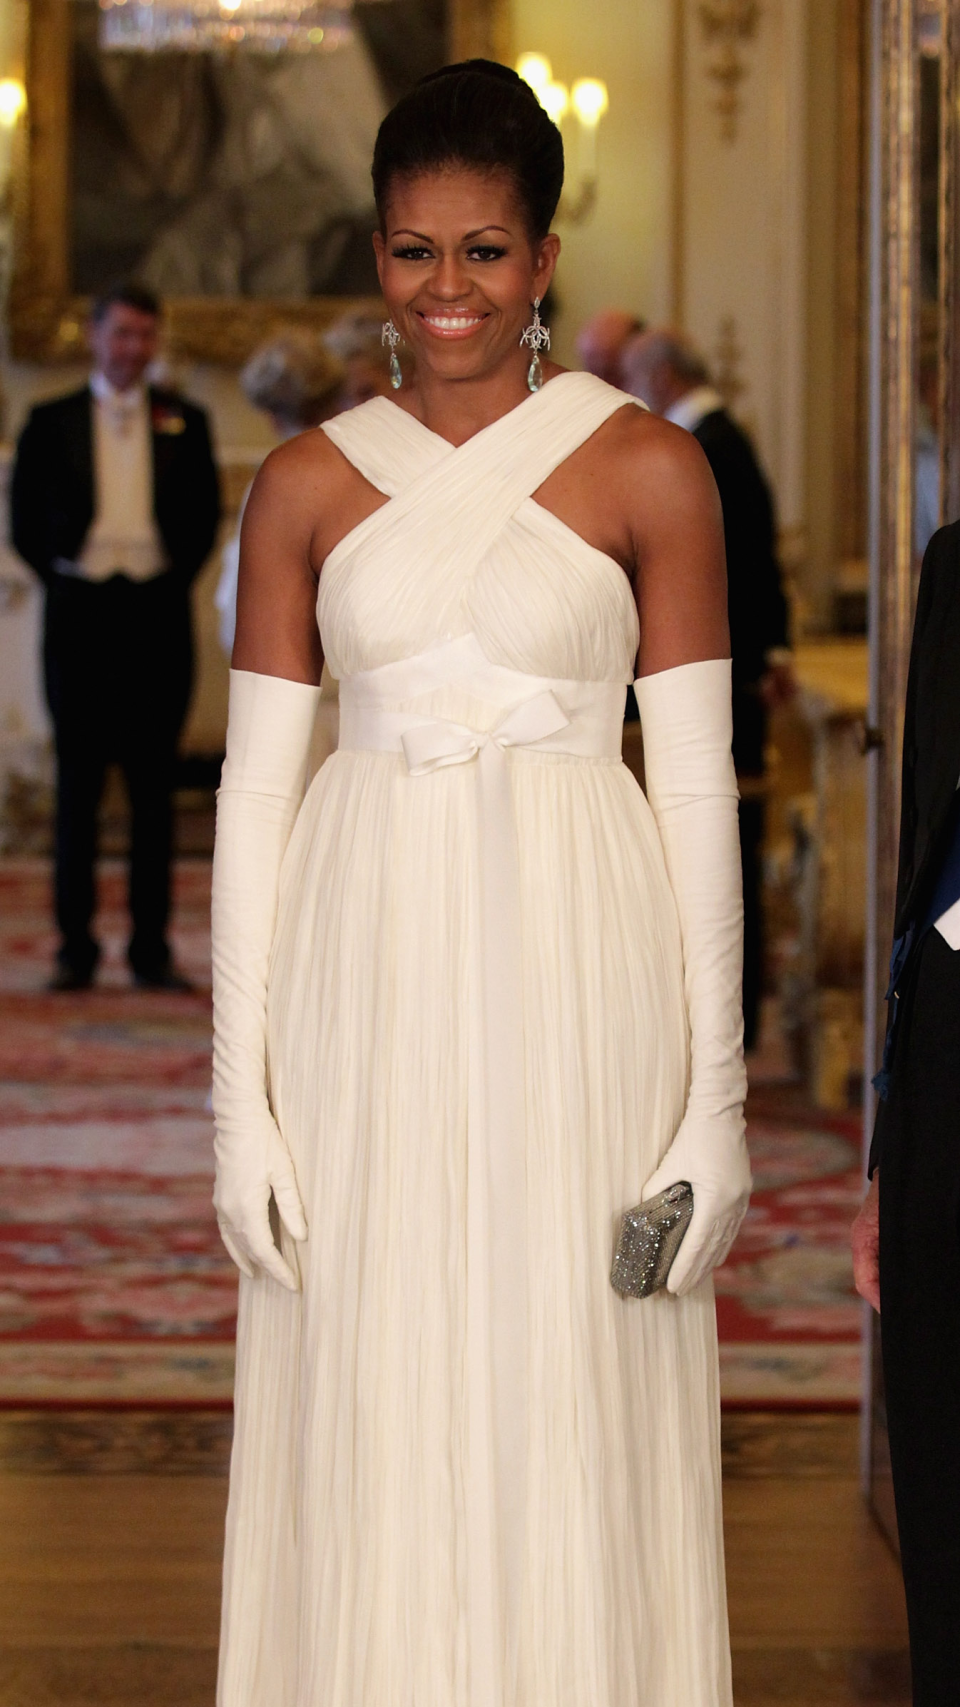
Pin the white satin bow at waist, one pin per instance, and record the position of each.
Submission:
(580, 719)
(577, 719)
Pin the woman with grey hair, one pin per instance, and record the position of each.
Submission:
(297, 381)
(356, 340)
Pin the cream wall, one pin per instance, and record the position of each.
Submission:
(744, 236)
(623, 254)
(823, 236)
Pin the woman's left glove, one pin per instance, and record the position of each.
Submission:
(252, 1164)
(712, 1155)
(692, 787)
(261, 788)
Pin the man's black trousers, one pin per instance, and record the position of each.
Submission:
(751, 860)
(920, 1313)
(117, 662)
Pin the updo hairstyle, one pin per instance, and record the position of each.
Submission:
(292, 376)
(480, 115)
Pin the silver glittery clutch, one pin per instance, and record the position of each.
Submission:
(649, 1239)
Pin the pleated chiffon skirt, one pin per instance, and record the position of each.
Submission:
(348, 1580)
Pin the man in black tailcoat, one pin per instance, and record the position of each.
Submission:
(906, 1239)
(667, 373)
(114, 505)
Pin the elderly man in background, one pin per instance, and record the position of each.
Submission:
(602, 340)
(665, 371)
(114, 505)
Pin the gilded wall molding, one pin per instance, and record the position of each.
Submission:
(726, 27)
(729, 355)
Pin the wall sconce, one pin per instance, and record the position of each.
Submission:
(588, 100)
(13, 101)
(13, 104)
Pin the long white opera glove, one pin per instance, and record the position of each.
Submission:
(268, 744)
(687, 725)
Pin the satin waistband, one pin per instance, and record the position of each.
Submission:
(580, 719)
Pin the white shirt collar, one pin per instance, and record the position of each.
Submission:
(693, 407)
(104, 392)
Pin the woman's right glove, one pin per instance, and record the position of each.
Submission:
(691, 784)
(261, 788)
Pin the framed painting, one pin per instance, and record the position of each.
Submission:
(236, 185)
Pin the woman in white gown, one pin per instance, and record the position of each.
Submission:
(475, 996)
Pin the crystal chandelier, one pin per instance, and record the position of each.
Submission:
(205, 26)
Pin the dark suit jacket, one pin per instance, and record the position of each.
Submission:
(931, 729)
(756, 603)
(52, 488)
(931, 748)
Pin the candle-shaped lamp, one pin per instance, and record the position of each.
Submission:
(590, 101)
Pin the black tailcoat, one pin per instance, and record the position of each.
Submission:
(755, 599)
(52, 492)
(931, 729)
(758, 621)
(931, 756)
(917, 1146)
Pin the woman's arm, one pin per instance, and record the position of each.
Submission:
(676, 527)
(305, 499)
(273, 703)
(683, 693)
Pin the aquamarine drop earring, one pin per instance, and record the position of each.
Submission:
(536, 337)
(390, 335)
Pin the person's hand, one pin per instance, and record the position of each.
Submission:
(778, 685)
(250, 1166)
(712, 1155)
(865, 1244)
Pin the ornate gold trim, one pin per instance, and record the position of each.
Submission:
(895, 318)
(850, 422)
(726, 25)
(894, 374)
(728, 361)
(45, 319)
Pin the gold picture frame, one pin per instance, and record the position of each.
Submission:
(46, 319)
(901, 324)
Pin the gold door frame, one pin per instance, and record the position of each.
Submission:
(45, 319)
(894, 569)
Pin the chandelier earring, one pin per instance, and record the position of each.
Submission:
(536, 337)
(390, 335)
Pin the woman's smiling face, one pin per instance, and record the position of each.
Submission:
(459, 270)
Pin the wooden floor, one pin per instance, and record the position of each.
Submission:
(110, 1537)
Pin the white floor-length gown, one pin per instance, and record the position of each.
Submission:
(466, 1473)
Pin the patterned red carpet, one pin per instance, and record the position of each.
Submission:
(114, 1287)
(789, 1319)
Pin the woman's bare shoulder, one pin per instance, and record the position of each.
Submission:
(640, 442)
(668, 497)
(661, 476)
(307, 493)
(298, 470)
